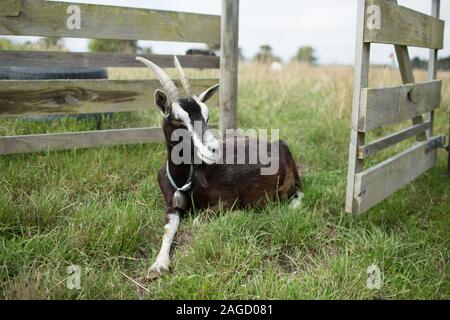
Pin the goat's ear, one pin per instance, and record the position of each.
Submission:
(205, 95)
(161, 101)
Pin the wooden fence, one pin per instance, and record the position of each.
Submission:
(383, 21)
(43, 97)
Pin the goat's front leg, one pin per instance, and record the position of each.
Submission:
(162, 262)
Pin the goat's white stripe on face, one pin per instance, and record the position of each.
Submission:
(203, 107)
(180, 114)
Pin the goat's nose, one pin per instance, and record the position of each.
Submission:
(212, 148)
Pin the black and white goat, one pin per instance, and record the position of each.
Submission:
(215, 182)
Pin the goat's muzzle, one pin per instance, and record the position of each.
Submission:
(209, 150)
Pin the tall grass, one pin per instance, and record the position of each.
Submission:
(101, 209)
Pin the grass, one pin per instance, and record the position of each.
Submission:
(101, 209)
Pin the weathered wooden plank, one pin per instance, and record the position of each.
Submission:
(229, 64)
(380, 181)
(432, 66)
(403, 26)
(385, 142)
(40, 97)
(390, 105)
(39, 59)
(73, 140)
(10, 8)
(361, 80)
(54, 19)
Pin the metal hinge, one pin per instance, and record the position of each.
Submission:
(439, 142)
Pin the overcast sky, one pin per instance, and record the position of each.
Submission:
(327, 25)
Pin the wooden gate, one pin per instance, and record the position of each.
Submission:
(44, 97)
(383, 21)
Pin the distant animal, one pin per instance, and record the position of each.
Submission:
(214, 182)
(276, 66)
(200, 52)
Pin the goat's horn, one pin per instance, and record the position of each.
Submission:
(184, 79)
(164, 79)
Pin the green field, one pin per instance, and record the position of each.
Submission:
(101, 209)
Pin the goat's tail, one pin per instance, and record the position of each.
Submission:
(291, 163)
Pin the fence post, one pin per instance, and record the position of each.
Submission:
(432, 69)
(361, 80)
(229, 64)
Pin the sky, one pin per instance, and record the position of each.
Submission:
(326, 25)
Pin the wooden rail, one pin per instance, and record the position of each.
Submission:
(403, 26)
(50, 19)
(82, 140)
(39, 59)
(390, 105)
(385, 142)
(71, 140)
(378, 182)
(43, 97)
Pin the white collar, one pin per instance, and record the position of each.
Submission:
(188, 183)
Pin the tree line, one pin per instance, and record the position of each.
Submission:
(95, 45)
(443, 63)
(304, 54)
(266, 55)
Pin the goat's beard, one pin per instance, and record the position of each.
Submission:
(205, 155)
(208, 159)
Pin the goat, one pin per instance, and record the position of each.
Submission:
(214, 183)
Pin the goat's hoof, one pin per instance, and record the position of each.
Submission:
(157, 270)
(296, 202)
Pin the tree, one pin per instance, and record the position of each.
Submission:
(145, 50)
(6, 44)
(43, 44)
(418, 63)
(110, 45)
(47, 44)
(124, 46)
(306, 55)
(241, 54)
(444, 63)
(265, 55)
